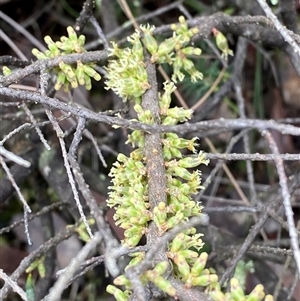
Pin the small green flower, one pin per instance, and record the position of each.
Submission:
(191, 51)
(199, 264)
(222, 43)
(117, 293)
(204, 280)
(236, 289)
(6, 71)
(148, 39)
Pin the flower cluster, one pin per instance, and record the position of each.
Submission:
(127, 75)
(69, 75)
(174, 50)
(129, 194)
(222, 43)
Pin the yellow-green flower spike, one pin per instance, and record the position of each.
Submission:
(177, 243)
(133, 240)
(217, 295)
(79, 72)
(189, 254)
(139, 256)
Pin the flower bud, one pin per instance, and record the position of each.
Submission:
(60, 81)
(167, 46)
(81, 40)
(150, 43)
(91, 72)
(72, 34)
(122, 280)
(175, 152)
(191, 51)
(237, 291)
(182, 173)
(165, 286)
(161, 267)
(182, 265)
(38, 54)
(204, 280)
(257, 293)
(117, 293)
(177, 243)
(6, 71)
(199, 264)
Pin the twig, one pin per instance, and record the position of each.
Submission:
(8, 60)
(14, 285)
(12, 45)
(60, 285)
(273, 204)
(252, 157)
(203, 126)
(85, 15)
(25, 263)
(99, 32)
(242, 51)
(110, 242)
(11, 156)
(286, 198)
(59, 134)
(33, 216)
(286, 34)
(37, 129)
(23, 31)
(90, 136)
(14, 184)
(293, 287)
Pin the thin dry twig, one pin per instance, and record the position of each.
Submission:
(14, 285)
(273, 203)
(61, 283)
(286, 196)
(59, 134)
(11, 156)
(40, 251)
(221, 124)
(286, 34)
